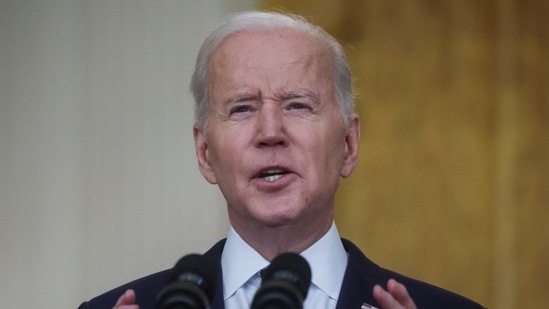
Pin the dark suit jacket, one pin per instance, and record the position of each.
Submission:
(360, 277)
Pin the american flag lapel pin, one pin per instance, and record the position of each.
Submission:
(367, 306)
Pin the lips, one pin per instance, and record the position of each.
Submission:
(272, 174)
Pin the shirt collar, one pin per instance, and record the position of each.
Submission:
(328, 261)
(327, 258)
(239, 262)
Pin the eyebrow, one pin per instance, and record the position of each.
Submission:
(241, 98)
(301, 93)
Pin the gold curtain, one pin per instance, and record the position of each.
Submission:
(452, 186)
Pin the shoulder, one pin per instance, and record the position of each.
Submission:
(426, 295)
(146, 289)
(361, 270)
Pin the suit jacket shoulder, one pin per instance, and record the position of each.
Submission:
(362, 275)
(147, 288)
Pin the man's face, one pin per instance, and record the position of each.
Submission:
(274, 142)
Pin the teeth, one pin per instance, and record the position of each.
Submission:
(272, 174)
(272, 178)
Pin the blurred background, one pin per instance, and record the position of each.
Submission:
(98, 178)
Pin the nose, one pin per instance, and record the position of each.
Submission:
(271, 129)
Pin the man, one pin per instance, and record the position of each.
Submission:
(275, 130)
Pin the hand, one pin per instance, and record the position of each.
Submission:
(126, 301)
(396, 296)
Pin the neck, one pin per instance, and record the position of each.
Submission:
(271, 241)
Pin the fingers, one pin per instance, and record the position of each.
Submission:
(126, 301)
(385, 299)
(399, 292)
(396, 296)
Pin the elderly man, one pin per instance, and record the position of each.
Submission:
(276, 131)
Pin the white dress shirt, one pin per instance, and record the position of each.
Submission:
(241, 265)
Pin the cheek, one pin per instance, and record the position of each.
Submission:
(334, 154)
(325, 154)
(225, 154)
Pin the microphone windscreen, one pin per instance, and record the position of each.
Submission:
(198, 269)
(285, 266)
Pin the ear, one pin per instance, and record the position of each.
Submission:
(201, 148)
(352, 141)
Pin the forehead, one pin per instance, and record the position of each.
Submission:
(294, 42)
(271, 52)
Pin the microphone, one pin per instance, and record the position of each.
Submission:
(191, 284)
(285, 283)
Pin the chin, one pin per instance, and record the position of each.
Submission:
(278, 219)
(276, 222)
(269, 212)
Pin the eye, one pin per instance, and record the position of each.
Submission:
(300, 108)
(297, 106)
(241, 109)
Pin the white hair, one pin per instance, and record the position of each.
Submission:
(253, 21)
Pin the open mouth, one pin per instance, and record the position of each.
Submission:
(273, 174)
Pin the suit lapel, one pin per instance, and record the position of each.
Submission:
(360, 278)
(214, 254)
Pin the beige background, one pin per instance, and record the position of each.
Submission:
(452, 186)
(98, 177)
